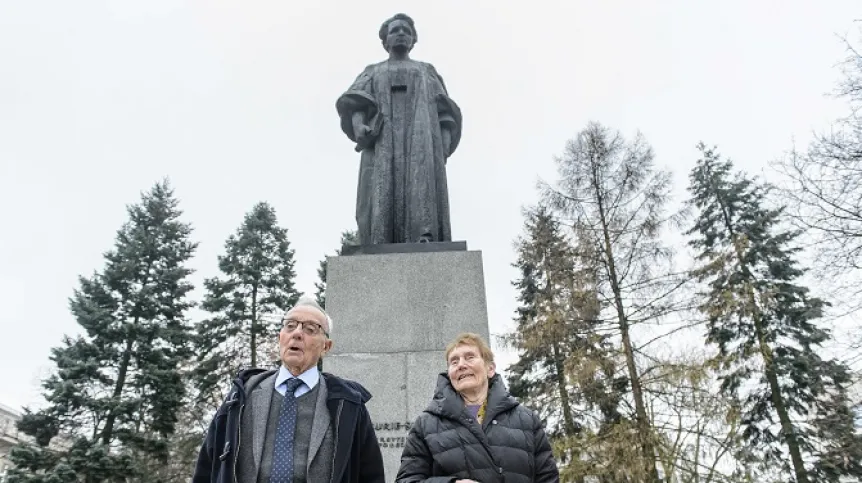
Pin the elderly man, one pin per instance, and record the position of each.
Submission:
(293, 424)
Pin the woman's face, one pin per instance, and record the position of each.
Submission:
(400, 35)
(468, 371)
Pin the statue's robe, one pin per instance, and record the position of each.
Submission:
(402, 195)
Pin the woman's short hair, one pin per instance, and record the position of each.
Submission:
(384, 29)
(469, 338)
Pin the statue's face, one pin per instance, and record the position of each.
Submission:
(400, 36)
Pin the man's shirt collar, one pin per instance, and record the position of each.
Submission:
(310, 377)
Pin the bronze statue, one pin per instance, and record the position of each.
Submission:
(402, 120)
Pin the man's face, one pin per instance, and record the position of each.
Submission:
(299, 349)
(468, 371)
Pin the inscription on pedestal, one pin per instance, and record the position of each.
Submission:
(392, 435)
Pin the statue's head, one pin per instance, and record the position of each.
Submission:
(398, 32)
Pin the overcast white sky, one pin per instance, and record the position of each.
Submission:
(234, 101)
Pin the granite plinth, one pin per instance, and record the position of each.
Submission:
(393, 315)
(405, 302)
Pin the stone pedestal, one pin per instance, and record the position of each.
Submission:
(393, 314)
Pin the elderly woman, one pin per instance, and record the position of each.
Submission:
(406, 126)
(473, 430)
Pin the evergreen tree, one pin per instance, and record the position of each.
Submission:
(611, 191)
(764, 324)
(113, 400)
(566, 368)
(349, 237)
(246, 302)
(556, 323)
(538, 377)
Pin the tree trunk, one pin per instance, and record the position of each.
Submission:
(643, 424)
(254, 326)
(107, 433)
(787, 429)
(568, 419)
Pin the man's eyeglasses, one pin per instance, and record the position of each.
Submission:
(308, 327)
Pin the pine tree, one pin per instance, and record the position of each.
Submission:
(556, 322)
(764, 324)
(112, 402)
(246, 301)
(546, 262)
(566, 368)
(349, 237)
(611, 191)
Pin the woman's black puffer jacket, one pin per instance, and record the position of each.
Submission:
(446, 443)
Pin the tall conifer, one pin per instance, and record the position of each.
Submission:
(246, 302)
(795, 413)
(112, 402)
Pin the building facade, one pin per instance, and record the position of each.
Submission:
(9, 435)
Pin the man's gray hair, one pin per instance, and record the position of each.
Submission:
(307, 301)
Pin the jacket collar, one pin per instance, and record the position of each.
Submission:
(247, 379)
(338, 388)
(447, 403)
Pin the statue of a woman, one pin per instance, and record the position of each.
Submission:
(402, 120)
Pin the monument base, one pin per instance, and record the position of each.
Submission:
(390, 248)
(393, 315)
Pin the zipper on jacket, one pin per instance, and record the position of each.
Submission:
(485, 442)
(335, 445)
(238, 441)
